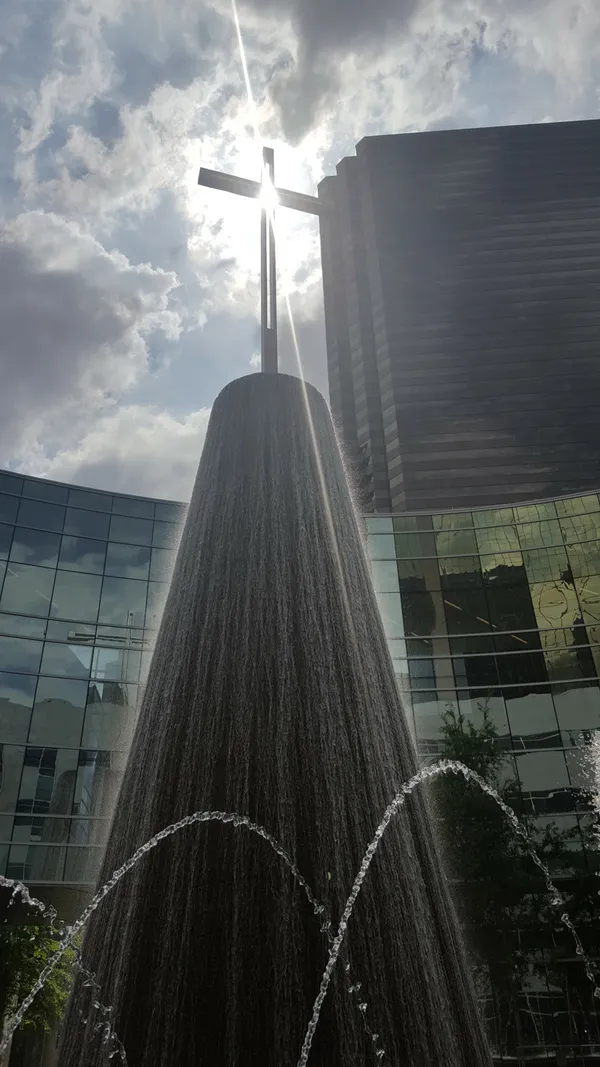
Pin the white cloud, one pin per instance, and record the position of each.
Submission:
(133, 449)
(77, 321)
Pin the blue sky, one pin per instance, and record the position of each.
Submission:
(129, 295)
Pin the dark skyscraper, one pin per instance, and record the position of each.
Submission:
(462, 297)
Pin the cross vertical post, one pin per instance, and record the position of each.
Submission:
(311, 205)
(268, 318)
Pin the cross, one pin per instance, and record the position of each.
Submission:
(266, 192)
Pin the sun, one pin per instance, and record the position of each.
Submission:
(268, 194)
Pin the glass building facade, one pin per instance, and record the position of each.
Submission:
(83, 576)
(496, 613)
(460, 274)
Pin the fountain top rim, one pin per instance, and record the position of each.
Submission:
(276, 383)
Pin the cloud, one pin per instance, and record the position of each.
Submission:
(134, 449)
(76, 324)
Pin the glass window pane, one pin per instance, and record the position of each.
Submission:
(498, 540)
(58, 712)
(475, 672)
(408, 524)
(130, 531)
(459, 520)
(35, 546)
(418, 575)
(109, 715)
(456, 543)
(127, 561)
(162, 565)
(22, 626)
(27, 589)
(9, 505)
(6, 533)
(41, 490)
(116, 664)
(177, 512)
(503, 568)
(86, 523)
(544, 776)
(584, 559)
(125, 505)
(521, 668)
(82, 554)
(390, 608)
(532, 719)
(48, 780)
(381, 546)
(577, 505)
(423, 614)
(71, 661)
(466, 611)
(83, 498)
(478, 706)
(385, 576)
(166, 534)
(580, 528)
(157, 595)
(588, 590)
(540, 534)
(411, 545)
(494, 517)
(546, 564)
(577, 709)
(555, 604)
(460, 571)
(82, 633)
(123, 601)
(41, 516)
(10, 483)
(529, 513)
(16, 701)
(98, 778)
(472, 644)
(10, 779)
(76, 596)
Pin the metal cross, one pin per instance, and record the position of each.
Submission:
(214, 179)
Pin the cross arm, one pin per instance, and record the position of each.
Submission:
(230, 183)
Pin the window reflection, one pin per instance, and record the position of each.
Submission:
(42, 490)
(22, 626)
(423, 613)
(16, 701)
(588, 590)
(116, 664)
(98, 779)
(109, 715)
(534, 535)
(460, 571)
(584, 559)
(494, 517)
(391, 613)
(385, 576)
(459, 520)
(545, 782)
(503, 568)
(177, 512)
(123, 602)
(157, 595)
(18, 654)
(70, 661)
(381, 546)
(577, 505)
(162, 565)
(167, 534)
(130, 531)
(522, 668)
(125, 505)
(475, 672)
(82, 554)
(418, 575)
(35, 547)
(374, 526)
(577, 708)
(532, 718)
(466, 611)
(48, 780)
(41, 516)
(529, 513)
(6, 533)
(76, 596)
(555, 604)
(127, 561)
(412, 545)
(58, 712)
(86, 523)
(84, 498)
(478, 706)
(456, 543)
(9, 505)
(547, 564)
(27, 590)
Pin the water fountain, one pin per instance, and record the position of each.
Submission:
(271, 694)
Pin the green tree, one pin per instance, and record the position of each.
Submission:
(501, 896)
(24, 952)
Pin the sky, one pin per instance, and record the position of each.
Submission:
(129, 295)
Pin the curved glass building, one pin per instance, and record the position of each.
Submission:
(82, 580)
